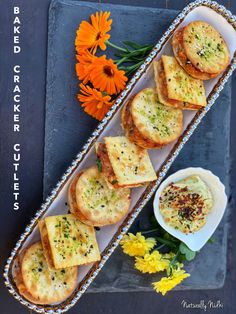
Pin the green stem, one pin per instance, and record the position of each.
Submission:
(149, 231)
(131, 67)
(129, 59)
(160, 247)
(174, 258)
(169, 271)
(166, 242)
(115, 46)
(145, 48)
(118, 62)
(136, 65)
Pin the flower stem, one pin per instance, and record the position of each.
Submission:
(174, 258)
(118, 62)
(166, 242)
(134, 66)
(160, 247)
(115, 46)
(172, 263)
(149, 231)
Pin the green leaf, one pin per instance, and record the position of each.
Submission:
(168, 243)
(153, 221)
(189, 254)
(119, 54)
(183, 248)
(99, 164)
(181, 258)
(132, 44)
(169, 237)
(114, 182)
(211, 240)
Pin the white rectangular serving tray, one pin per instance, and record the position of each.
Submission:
(108, 237)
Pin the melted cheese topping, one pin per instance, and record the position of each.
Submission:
(182, 86)
(44, 284)
(131, 164)
(72, 242)
(205, 47)
(185, 205)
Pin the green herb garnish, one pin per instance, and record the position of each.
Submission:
(99, 164)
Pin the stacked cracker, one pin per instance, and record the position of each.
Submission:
(94, 202)
(201, 50)
(40, 284)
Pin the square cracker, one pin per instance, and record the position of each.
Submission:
(72, 242)
(131, 164)
(180, 85)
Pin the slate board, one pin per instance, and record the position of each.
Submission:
(68, 127)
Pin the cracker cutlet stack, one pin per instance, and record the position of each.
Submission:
(175, 87)
(94, 201)
(150, 124)
(68, 242)
(123, 163)
(40, 284)
(200, 50)
(46, 244)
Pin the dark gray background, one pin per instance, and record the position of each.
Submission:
(33, 61)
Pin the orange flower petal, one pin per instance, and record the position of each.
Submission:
(94, 102)
(105, 76)
(85, 59)
(94, 35)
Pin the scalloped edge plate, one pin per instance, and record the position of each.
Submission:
(195, 241)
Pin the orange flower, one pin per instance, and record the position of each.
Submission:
(94, 35)
(82, 68)
(106, 76)
(95, 103)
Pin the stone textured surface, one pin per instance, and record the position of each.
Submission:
(67, 129)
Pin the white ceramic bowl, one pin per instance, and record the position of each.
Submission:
(195, 241)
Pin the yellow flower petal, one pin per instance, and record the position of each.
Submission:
(151, 263)
(137, 245)
(168, 283)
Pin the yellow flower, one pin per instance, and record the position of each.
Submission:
(151, 263)
(169, 255)
(137, 245)
(168, 283)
